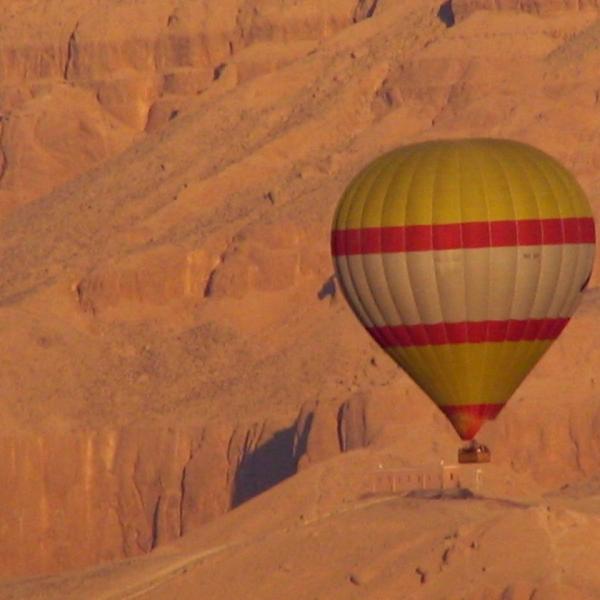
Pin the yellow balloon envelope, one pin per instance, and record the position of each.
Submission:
(464, 259)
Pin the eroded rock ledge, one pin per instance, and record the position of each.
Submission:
(463, 8)
(78, 498)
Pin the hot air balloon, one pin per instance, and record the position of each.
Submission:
(464, 259)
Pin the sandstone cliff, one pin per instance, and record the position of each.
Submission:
(168, 172)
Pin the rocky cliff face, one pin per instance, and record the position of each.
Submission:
(463, 8)
(100, 75)
(73, 499)
(168, 172)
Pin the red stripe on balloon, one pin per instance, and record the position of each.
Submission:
(512, 330)
(414, 238)
(487, 411)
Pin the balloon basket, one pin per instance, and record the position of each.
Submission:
(474, 453)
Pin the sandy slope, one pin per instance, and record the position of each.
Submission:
(166, 199)
(227, 208)
(320, 536)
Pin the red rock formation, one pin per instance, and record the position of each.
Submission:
(463, 8)
(167, 178)
(71, 499)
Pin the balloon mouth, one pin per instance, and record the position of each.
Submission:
(468, 419)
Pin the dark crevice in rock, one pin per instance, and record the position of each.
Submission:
(183, 489)
(208, 288)
(218, 71)
(301, 438)
(372, 8)
(340, 427)
(446, 14)
(365, 9)
(70, 52)
(155, 524)
(3, 159)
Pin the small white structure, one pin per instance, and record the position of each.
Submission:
(440, 477)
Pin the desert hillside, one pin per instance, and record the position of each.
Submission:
(174, 344)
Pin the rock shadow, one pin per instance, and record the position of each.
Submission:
(446, 14)
(328, 289)
(266, 466)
